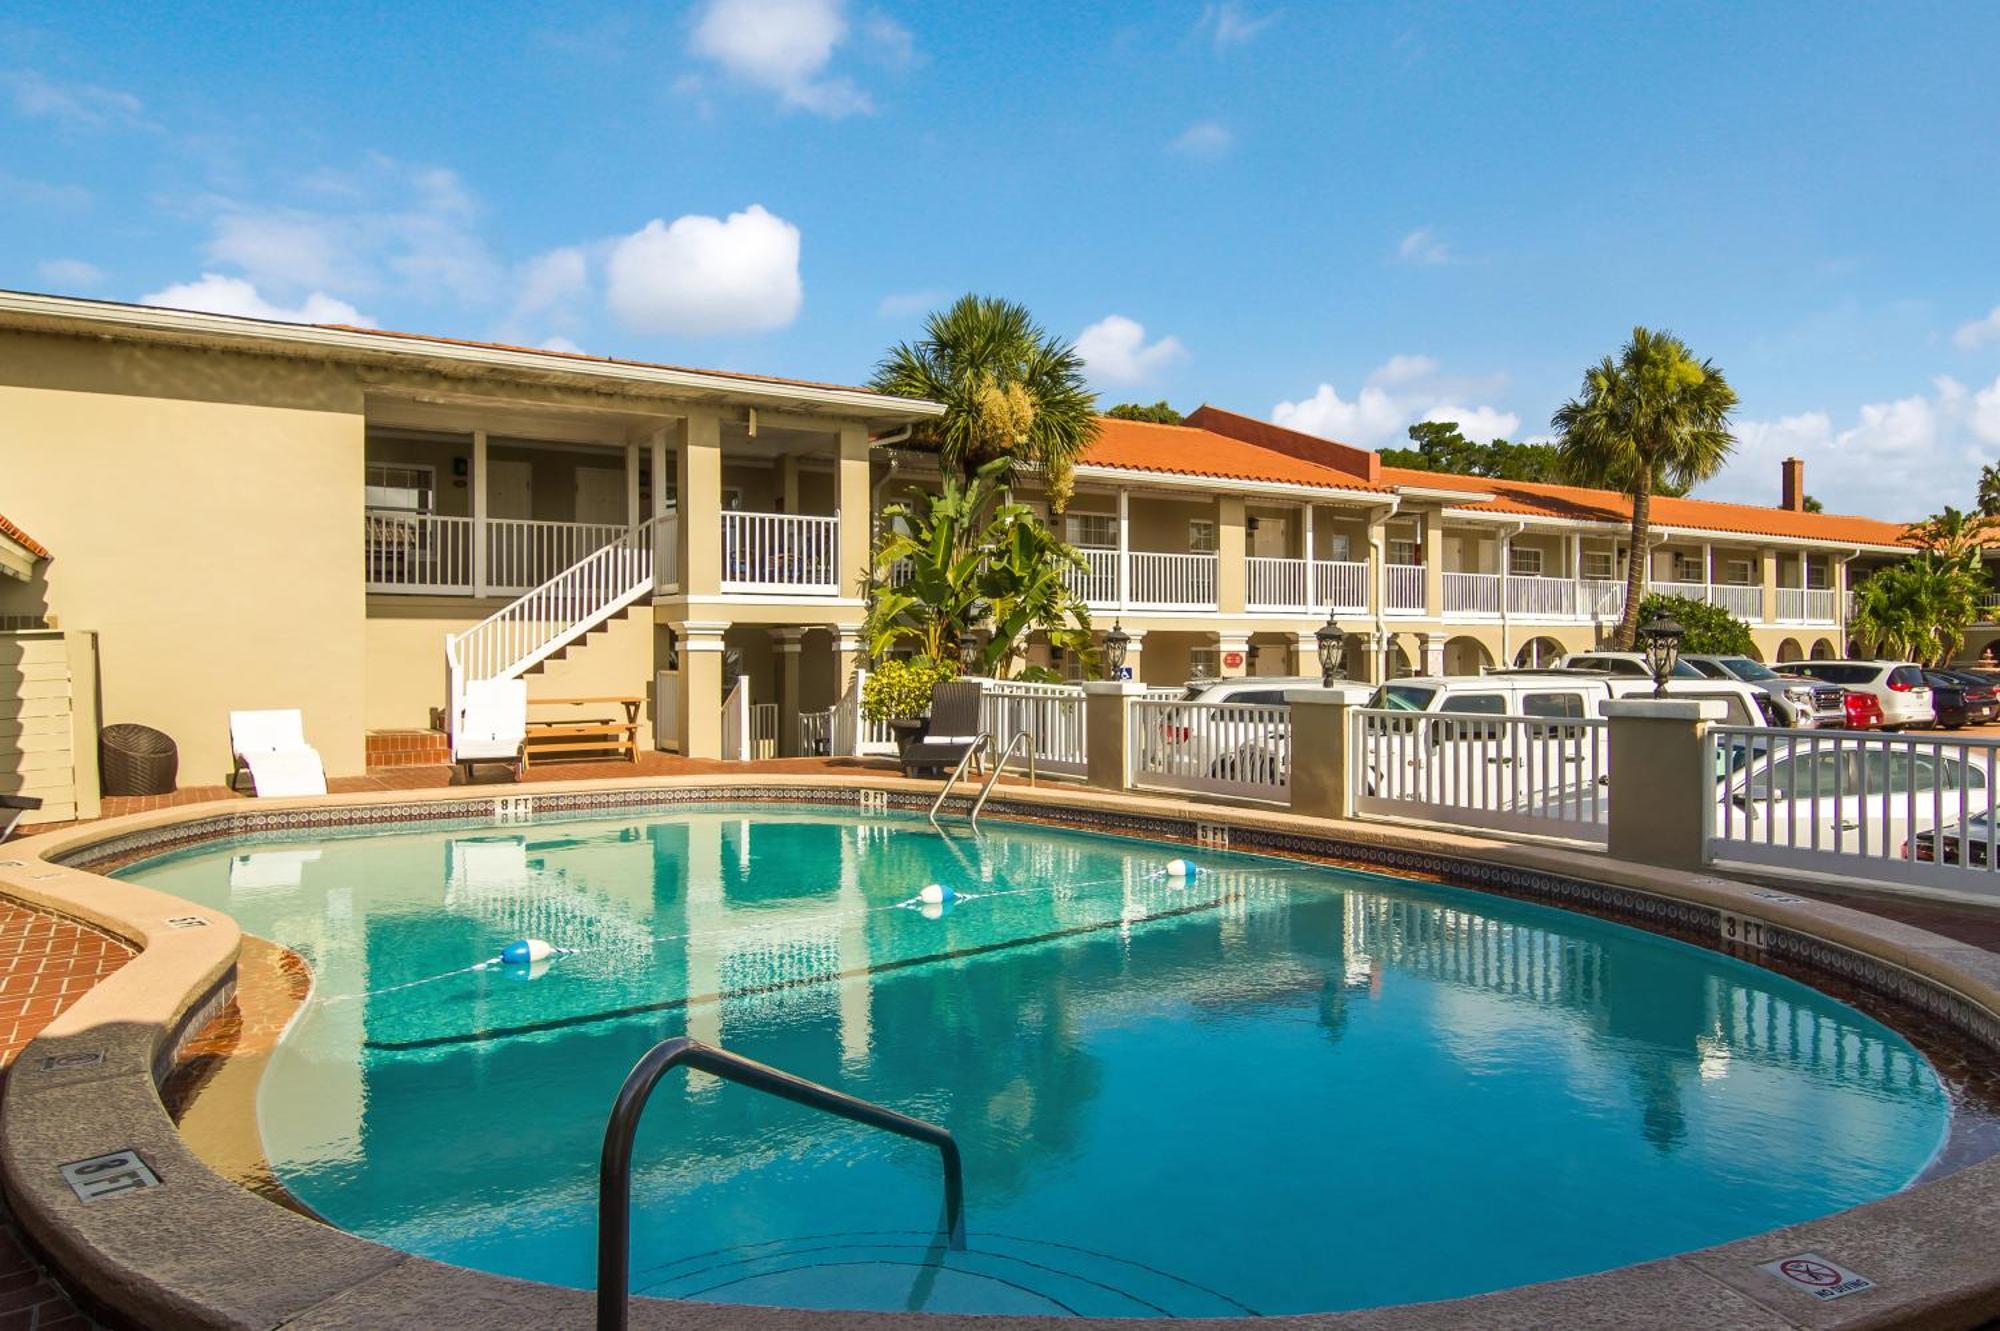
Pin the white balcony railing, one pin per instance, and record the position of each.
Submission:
(1805, 605)
(1692, 591)
(1171, 582)
(1405, 588)
(417, 553)
(1746, 603)
(1472, 593)
(1274, 584)
(1542, 598)
(1340, 584)
(1601, 598)
(1099, 586)
(780, 552)
(521, 553)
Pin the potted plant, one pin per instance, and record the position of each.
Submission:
(899, 693)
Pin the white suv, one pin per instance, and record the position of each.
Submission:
(1898, 685)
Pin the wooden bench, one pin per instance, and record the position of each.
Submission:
(583, 738)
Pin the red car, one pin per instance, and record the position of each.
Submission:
(1864, 711)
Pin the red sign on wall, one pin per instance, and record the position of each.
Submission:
(1232, 659)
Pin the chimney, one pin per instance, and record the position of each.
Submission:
(1793, 490)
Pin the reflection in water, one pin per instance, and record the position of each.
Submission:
(1123, 1058)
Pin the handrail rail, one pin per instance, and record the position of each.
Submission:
(614, 1182)
(984, 739)
(993, 778)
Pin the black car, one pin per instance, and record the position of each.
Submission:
(1963, 844)
(1982, 694)
(1948, 700)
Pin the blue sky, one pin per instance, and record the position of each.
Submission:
(1346, 217)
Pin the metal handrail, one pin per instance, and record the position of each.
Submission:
(983, 740)
(993, 777)
(614, 1180)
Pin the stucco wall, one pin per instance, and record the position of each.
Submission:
(204, 514)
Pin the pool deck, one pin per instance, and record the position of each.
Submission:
(202, 1251)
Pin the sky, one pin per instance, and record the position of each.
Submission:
(1341, 217)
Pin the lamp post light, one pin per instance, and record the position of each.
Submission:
(1660, 637)
(968, 651)
(1116, 643)
(1332, 641)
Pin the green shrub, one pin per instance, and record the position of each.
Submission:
(1711, 630)
(900, 689)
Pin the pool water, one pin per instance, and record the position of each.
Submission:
(1278, 1088)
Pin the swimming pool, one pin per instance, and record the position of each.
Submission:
(1280, 1088)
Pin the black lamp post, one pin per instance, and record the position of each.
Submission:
(1332, 641)
(1116, 643)
(968, 651)
(1660, 637)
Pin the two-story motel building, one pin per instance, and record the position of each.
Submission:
(245, 514)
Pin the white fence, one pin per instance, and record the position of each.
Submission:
(1405, 587)
(1746, 603)
(816, 733)
(736, 723)
(1546, 776)
(1890, 809)
(765, 552)
(1340, 584)
(763, 730)
(1601, 598)
(1171, 582)
(1098, 586)
(1304, 585)
(1546, 598)
(1472, 593)
(1805, 605)
(1051, 714)
(521, 554)
(1215, 748)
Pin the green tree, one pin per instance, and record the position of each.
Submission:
(1813, 505)
(1711, 630)
(1654, 416)
(1027, 591)
(1441, 447)
(1919, 608)
(1012, 393)
(1989, 490)
(1952, 535)
(1158, 414)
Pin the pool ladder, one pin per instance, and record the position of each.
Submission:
(614, 1180)
(984, 741)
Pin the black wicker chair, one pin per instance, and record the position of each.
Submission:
(950, 732)
(137, 760)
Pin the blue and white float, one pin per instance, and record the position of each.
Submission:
(527, 952)
(1181, 870)
(937, 894)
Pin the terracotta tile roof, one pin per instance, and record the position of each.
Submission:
(1363, 462)
(22, 539)
(1181, 450)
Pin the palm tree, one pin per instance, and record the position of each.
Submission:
(1011, 391)
(927, 571)
(1654, 418)
(1953, 535)
(1028, 590)
(1918, 609)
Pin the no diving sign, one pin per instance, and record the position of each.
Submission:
(1810, 1273)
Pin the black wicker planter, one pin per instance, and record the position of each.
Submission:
(137, 760)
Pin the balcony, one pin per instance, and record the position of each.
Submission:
(1404, 589)
(1301, 586)
(1153, 581)
(1472, 594)
(780, 554)
(1805, 605)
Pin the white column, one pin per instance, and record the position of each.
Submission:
(1708, 572)
(1577, 606)
(660, 474)
(479, 512)
(631, 485)
(1124, 549)
(1312, 573)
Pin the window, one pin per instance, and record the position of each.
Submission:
(401, 488)
(1803, 777)
(1610, 665)
(1524, 561)
(1687, 568)
(1097, 531)
(1403, 698)
(1204, 662)
(1403, 551)
(1599, 565)
(1552, 704)
(1816, 574)
(1906, 677)
(1340, 547)
(1738, 572)
(1201, 536)
(1479, 704)
(1259, 697)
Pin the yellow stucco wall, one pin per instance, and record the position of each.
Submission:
(203, 510)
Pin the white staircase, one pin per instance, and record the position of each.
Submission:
(545, 619)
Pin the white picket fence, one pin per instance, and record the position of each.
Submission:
(816, 733)
(1894, 810)
(1547, 776)
(1213, 748)
(736, 722)
(1051, 714)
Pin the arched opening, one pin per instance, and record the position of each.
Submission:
(1399, 659)
(1466, 656)
(1790, 651)
(1537, 653)
(1824, 650)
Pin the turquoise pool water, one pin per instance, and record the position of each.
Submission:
(1277, 1089)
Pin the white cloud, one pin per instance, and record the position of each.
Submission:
(72, 105)
(1980, 331)
(903, 304)
(1228, 24)
(218, 294)
(705, 275)
(552, 280)
(1204, 141)
(1115, 351)
(1401, 391)
(74, 274)
(1423, 246)
(787, 47)
(1482, 425)
(561, 344)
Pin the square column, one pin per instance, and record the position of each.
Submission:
(699, 687)
(787, 651)
(1226, 645)
(1432, 533)
(852, 506)
(478, 518)
(847, 648)
(1231, 573)
(1107, 726)
(1305, 654)
(698, 472)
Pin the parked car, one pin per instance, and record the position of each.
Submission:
(1632, 664)
(1968, 844)
(1948, 701)
(1229, 747)
(1851, 795)
(1863, 711)
(1898, 685)
(1982, 694)
(1806, 704)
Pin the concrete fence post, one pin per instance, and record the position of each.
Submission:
(1322, 749)
(1662, 785)
(1107, 732)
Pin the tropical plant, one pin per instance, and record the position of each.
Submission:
(1654, 416)
(1027, 592)
(1953, 535)
(901, 688)
(1989, 490)
(1918, 609)
(1710, 630)
(1012, 393)
(1158, 414)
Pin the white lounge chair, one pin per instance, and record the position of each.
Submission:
(492, 724)
(272, 747)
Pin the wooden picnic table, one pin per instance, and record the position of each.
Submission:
(579, 738)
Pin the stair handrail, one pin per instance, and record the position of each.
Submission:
(999, 765)
(983, 740)
(614, 1179)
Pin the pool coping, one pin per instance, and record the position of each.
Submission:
(200, 1251)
